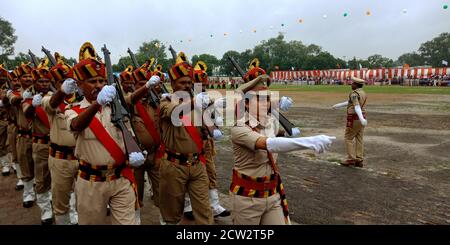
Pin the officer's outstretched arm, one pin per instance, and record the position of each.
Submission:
(318, 143)
(340, 105)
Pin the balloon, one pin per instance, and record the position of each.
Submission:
(282, 25)
(254, 30)
(181, 41)
(345, 14)
(211, 35)
(368, 12)
(445, 6)
(324, 16)
(405, 11)
(189, 40)
(300, 21)
(225, 34)
(240, 31)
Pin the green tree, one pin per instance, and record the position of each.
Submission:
(226, 68)
(18, 59)
(378, 61)
(211, 62)
(436, 50)
(412, 59)
(7, 40)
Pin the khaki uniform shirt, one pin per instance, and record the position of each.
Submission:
(39, 127)
(175, 138)
(87, 146)
(22, 122)
(248, 160)
(356, 97)
(144, 137)
(59, 132)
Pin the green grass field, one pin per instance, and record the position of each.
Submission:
(368, 89)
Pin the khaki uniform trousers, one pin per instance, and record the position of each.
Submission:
(175, 181)
(3, 137)
(12, 141)
(150, 166)
(93, 198)
(356, 134)
(63, 173)
(257, 211)
(42, 173)
(210, 153)
(25, 158)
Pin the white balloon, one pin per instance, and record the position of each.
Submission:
(324, 16)
(405, 11)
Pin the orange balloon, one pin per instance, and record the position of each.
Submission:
(300, 21)
(368, 12)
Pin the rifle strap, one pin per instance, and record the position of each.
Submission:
(40, 113)
(193, 132)
(104, 137)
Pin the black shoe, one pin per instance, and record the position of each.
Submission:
(6, 173)
(225, 213)
(28, 204)
(189, 215)
(47, 222)
(19, 187)
(359, 164)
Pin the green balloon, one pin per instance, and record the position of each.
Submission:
(445, 6)
(282, 24)
(345, 14)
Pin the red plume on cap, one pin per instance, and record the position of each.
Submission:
(23, 69)
(181, 68)
(61, 70)
(254, 71)
(127, 74)
(200, 75)
(42, 71)
(88, 65)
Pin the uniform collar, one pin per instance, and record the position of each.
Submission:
(84, 103)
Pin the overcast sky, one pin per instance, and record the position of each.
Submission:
(389, 30)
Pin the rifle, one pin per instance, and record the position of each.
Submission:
(210, 129)
(163, 87)
(285, 123)
(154, 99)
(118, 109)
(52, 60)
(33, 58)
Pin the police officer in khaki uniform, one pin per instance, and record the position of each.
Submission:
(105, 176)
(4, 159)
(182, 167)
(201, 77)
(24, 142)
(126, 81)
(257, 194)
(356, 121)
(145, 122)
(62, 162)
(12, 128)
(40, 137)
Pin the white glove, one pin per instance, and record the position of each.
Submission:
(219, 121)
(37, 100)
(220, 103)
(360, 115)
(295, 132)
(136, 159)
(165, 96)
(27, 95)
(9, 92)
(340, 105)
(217, 134)
(107, 95)
(69, 86)
(202, 100)
(318, 143)
(154, 80)
(286, 103)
